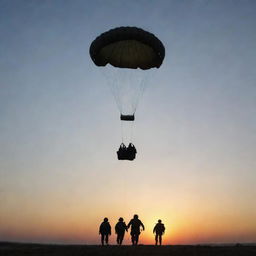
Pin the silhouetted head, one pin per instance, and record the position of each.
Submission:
(121, 219)
(135, 216)
(159, 221)
(105, 219)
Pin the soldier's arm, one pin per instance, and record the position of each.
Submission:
(129, 224)
(142, 225)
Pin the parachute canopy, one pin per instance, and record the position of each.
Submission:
(127, 47)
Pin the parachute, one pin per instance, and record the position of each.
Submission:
(126, 56)
(127, 47)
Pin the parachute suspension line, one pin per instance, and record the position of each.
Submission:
(127, 86)
(112, 83)
(131, 135)
(116, 91)
(136, 99)
(143, 75)
(118, 78)
(142, 88)
(122, 130)
(140, 94)
(127, 128)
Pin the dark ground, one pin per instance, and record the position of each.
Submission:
(14, 249)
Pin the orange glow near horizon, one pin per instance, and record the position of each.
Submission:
(77, 233)
(189, 218)
(184, 229)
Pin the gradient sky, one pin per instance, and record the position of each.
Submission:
(195, 126)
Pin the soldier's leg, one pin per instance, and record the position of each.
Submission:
(102, 239)
(160, 239)
(106, 239)
(136, 239)
(121, 238)
(133, 238)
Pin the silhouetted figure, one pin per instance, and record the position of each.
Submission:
(105, 231)
(131, 152)
(120, 229)
(135, 224)
(126, 153)
(122, 152)
(159, 231)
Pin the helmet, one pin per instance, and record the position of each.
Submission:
(105, 219)
(121, 219)
(159, 221)
(135, 216)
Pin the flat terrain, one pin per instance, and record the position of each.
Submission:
(14, 249)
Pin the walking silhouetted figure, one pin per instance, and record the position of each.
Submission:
(105, 231)
(120, 229)
(159, 231)
(135, 224)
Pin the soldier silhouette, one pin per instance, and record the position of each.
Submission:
(105, 231)
(135, 224)
(159, 231)
(120, 229)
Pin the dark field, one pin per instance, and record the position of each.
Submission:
(13, 249)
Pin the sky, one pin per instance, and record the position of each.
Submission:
(195, 128)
